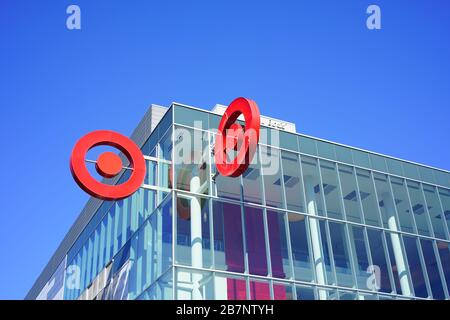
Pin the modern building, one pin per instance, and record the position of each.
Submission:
(309, 219)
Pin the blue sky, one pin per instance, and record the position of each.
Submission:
(310, 62)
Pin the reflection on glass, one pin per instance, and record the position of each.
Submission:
(270, 160)
(402, 203)
(194, 285)
(432, 269)
(300, 248)
(252, 181)
(361, 256)
(255, 240)
(305, 293)
(341, 254)
(368, 197)
(386, 202)
(227, 287)
(331, 189)
(279, 256)
(419, 208)
(228, 245)
(313, 188)
(350, 194)
(444, 254)
(292, 181)
(184, 249)
(434, 208)
(415, 267)
(379, 258)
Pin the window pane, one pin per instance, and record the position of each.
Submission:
(379, 258)
(194, 285)
(305, 293)
(228, 245)
(300, 248)
(402, 202)
(313, 188)
(192, 160)
(259, 290)
(444, 195)
(279, 256)
(415, 267)
(350, 194)
(252, 181)
(361, 256)
(341, 255)
(282, 291)
(399, 267)
(186, 245)
(418, 208)
(270, 160)
(434, 208)
(292, 181)
(326, 253)
(165, 146)
(386, 202)
(254, 236)
(368, 197)
(444, 254)
(228, 287)
(432, 269)
(331, 189)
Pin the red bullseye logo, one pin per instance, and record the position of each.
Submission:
(108, 165)
(232, 137)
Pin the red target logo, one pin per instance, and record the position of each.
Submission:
(108, 165)
(232, 136)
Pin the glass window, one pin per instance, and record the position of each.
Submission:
(300, 247)
(361, 158)
(184, 249)
(271, 169)
(394, 166)
(279, 255)
(194, 285)
(326, 150)
(343, 154)
(360, 255)
(379, 258)
(444, 254)
(415, 267)
(191, 117)
(255, 241)
(386, 202)
(331, 189)
(165, 146)
(434, 208)
(427, 174)
(444, 195)
(150, 176)
(282, 291)
(293, 185)
(165, 231)
(228, 245)
(402, 203)
(399, 267)
(432, 269)
(252, 181)
(259, 290)
(305, 293)
(419, 209)
(307, 145)
(227, 287)
(341, 254)
(410, 170)
(378, 162)
(288, 140)
(350, 194)
(442, 178)
(325, 251)
(347, 295)
(192, 160)
(313, 187)
(368, 197)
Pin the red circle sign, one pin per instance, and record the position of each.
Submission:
(231, 136)
(107, 165)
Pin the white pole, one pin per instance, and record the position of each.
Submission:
(315, 236)
(196, 236)
(396, 244)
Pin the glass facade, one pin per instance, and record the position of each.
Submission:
(309, 219)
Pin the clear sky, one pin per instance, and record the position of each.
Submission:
(310, 62)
